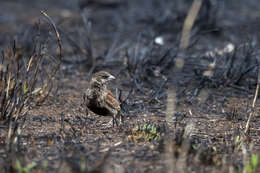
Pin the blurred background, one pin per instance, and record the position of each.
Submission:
(186, 105)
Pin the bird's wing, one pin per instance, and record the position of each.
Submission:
(111, 101)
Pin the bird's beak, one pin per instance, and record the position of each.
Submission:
(111, 77)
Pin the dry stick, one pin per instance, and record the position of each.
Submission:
(56, 31)
(255, 97)
(169, 152)
(51, 78)
(172, 163)
(189, 21)
(58, 40)
(89, 52)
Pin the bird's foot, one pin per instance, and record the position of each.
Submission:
(114, 121)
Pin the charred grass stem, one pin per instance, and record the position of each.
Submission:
(20, 85)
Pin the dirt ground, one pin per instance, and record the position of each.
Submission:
(184, 111)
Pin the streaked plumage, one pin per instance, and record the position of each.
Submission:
(99, 99)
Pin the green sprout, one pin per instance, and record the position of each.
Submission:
(147, 132)
(83, 166)
(252, 165)
(26, 169)
(45, 164)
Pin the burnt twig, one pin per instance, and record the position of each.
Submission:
(254, 100)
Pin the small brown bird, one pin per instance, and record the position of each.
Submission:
(99, 99)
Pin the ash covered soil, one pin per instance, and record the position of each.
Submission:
(184, 110)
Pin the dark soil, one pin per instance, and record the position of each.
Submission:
(200, 119)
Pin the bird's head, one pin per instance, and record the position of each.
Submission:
(102, 77)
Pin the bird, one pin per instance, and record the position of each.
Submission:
(99, 99)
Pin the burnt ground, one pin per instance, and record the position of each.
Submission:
(185, 111)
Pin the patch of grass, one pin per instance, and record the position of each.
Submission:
(20, 169)
(253, 163)
(146, 132)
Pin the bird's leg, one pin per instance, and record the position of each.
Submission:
(114, 121)
(121, 119)
(120, 116)
(84, 104)
(86, 111)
